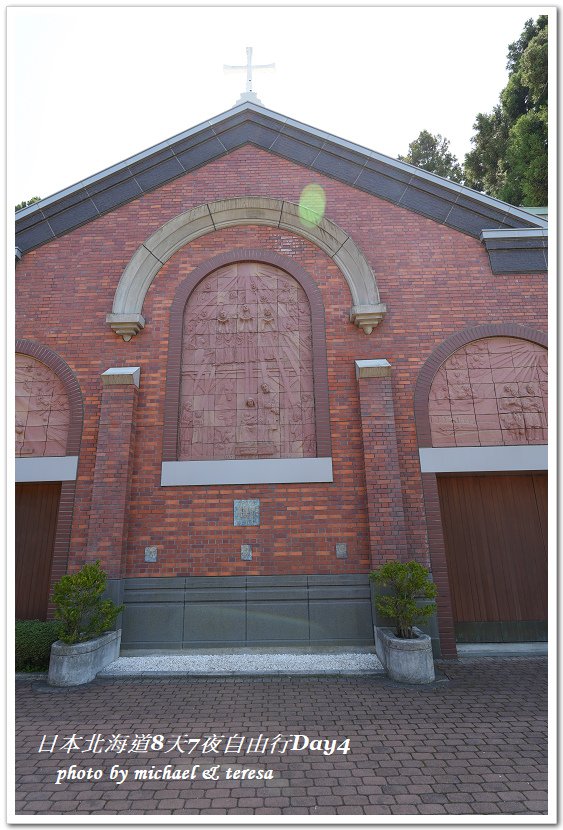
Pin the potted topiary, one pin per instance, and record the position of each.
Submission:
(406, 653)
(86, 642)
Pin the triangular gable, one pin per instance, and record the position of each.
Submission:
(402, 184)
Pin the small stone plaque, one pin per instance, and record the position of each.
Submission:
(246, 552)
(246, 512)
(341, 550)
(151, 553)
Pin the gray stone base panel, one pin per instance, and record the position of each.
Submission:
(198, 612)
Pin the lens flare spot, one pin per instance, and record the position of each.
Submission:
(312, 204)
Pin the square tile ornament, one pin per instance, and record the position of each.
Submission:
(151, 553)
(246, 512)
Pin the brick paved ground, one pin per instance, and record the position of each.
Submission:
(472, 743)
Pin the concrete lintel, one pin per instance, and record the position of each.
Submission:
(252, 471)
(47, 468)
(514, 233)
(380, 368)
(483, 459)
(122, 376)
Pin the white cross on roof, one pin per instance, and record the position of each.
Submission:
(250, 95)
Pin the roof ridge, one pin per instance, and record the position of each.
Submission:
(396, 181)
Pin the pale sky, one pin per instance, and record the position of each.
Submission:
(91, 86)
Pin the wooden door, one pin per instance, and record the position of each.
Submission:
(37, 507)
(495, 533)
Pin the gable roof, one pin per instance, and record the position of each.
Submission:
(404, 185)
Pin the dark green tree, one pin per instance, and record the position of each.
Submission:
(29, 202)
(509, 156)
(430, 152)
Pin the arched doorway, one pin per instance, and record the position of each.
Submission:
(481, 408)
(48, 428)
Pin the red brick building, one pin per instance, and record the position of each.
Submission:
(241, 400)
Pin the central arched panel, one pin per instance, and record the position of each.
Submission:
(247, 367)
(247, 383)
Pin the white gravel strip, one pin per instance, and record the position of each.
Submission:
(244, 663)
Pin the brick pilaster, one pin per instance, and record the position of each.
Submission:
(439, 565)
(107, 531)
(388, 538)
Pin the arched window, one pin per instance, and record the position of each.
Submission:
(492, 391)
(247, 367)
(42, 410)
(247, 378)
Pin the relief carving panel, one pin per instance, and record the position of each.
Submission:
(247, 367)
(42, 410)
(490, 392)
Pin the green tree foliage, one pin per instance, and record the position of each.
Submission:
(509, 159)
(430, 152)
(526, 159)
(29, 202)
(79, 605)
(408, 582)
(533, 69)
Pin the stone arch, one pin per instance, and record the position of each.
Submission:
(126, 318)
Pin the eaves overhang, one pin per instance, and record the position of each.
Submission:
(516, 251)
(402, 184)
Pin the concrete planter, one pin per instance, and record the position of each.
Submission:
(72, 665)
(409, 661)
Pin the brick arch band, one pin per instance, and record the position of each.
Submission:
(126, 317)
(61, 549)
(320, 369)
(447, 348)
(67, 377)
(429, 480)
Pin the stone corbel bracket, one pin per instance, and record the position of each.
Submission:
(126, 325)
(126, 318)
(367, 317)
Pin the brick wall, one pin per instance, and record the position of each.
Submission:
(434, 281)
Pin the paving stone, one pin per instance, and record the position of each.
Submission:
(34, 806)
(473, 744)
(404, 809)
(170, 804)
(537, 806)
(277, 802)
(511, 806)
(233, 811)
(433, 798)
(431, 809)
(376, 810)
(459, 809)
(348, 811)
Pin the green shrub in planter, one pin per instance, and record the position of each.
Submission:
(409, 582)
(83, 613)
(33, 642)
